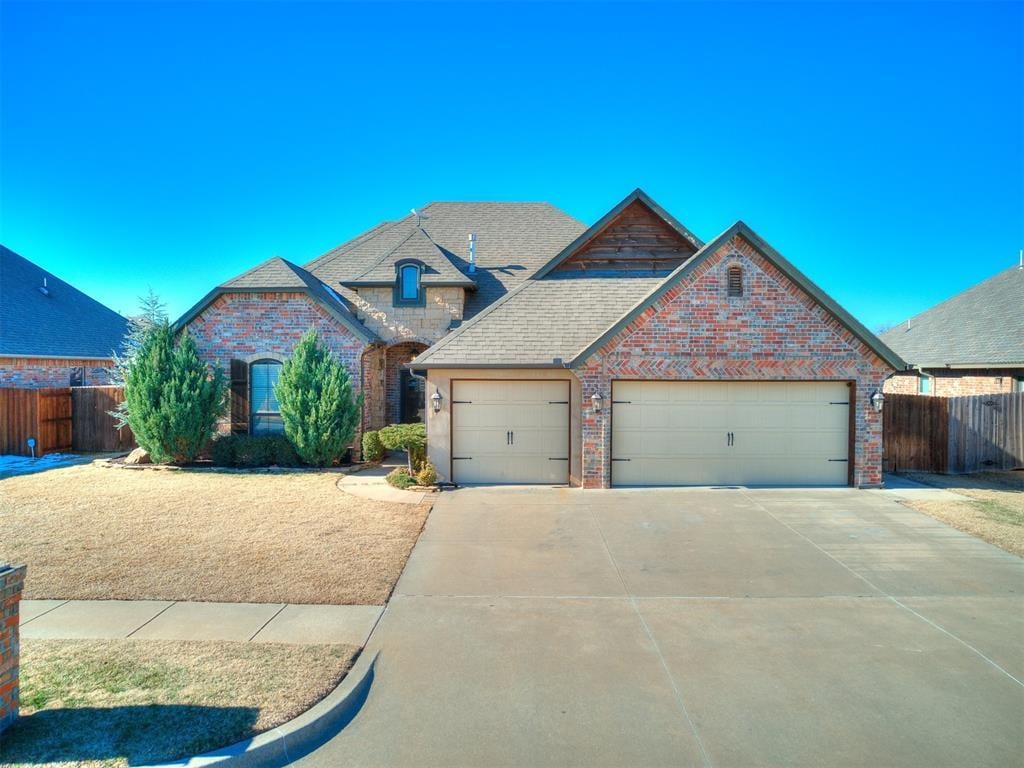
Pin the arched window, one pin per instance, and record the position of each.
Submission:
(734, 284)
(266, 413)
(408, 289)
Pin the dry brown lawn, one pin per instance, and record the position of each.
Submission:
(993, 511)
(94, 532)
(92, 703)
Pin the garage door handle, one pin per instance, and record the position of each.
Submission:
(508, 438)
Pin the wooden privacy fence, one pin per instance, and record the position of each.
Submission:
(61, 419)
(953, 434)
(41, 414)
(93, 428)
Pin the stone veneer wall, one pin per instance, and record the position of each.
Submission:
(43, 372)
(426, 324)
(244, 326)
(12, 578)
(695, 331)
(956, 383)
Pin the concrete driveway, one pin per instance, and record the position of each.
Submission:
(558, 627)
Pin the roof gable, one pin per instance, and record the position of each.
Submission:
(279, 275)
(739, 229)
(63, 322)
(637, 231)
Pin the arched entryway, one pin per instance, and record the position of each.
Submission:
(404, 393)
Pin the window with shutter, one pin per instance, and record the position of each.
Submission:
(266, 413)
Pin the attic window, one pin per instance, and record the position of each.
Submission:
(734, 283)
(408, 287)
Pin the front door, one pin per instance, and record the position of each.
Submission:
(412, 398)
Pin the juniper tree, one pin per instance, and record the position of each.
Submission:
(172, 399)
(319, 407)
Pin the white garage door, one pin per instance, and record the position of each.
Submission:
(730, 433)
(510, 431)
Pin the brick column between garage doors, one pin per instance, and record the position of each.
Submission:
(12, 578)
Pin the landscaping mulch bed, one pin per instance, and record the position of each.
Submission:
(91, 703)
(993, 511)
(90, 533)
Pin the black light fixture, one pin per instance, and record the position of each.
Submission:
(877, 401)
(597, 402)
(435, 401)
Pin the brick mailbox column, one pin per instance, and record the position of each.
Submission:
(12, 578)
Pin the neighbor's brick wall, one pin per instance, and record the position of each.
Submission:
(426, 324)
(773, 332)
(12, 578)
(245, 326)
(955, 383)
(38, 372)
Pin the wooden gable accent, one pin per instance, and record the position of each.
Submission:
(636, 239)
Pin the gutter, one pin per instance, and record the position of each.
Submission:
(56, 357)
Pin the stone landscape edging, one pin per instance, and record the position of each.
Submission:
(299, 736)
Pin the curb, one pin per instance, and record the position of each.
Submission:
(298, 737)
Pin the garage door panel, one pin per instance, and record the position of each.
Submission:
(675, 433)
(484, 413)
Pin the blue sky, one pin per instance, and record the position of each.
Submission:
(877, 146)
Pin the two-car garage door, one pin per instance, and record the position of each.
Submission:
(730, 433)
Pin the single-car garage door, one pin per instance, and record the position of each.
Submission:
(730, 433)
(510, 431)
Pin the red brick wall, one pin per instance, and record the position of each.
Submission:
(245, 326)
(12, 579)
(37, 372)
(773, 332)
(956, 383)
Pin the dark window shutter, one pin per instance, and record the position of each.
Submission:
(239, 397)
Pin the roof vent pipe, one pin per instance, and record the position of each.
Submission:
(44, 288)
(472, 252)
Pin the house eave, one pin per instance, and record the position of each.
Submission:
(34, 356)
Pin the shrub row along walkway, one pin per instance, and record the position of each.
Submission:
(173, 620)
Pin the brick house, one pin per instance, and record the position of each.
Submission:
(378, 301)
(640, 355)
(629, 353)
(969, 344)
(52, 334)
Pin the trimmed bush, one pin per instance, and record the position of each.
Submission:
(411, 438)
(400, 478)
(254, 451)
(373, 448)
(427, 475)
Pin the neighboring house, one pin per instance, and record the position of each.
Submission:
(52, 334)
(630, 353)
(970, 344)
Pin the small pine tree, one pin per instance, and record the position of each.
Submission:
(319, 408)
(151, 314)
(172, 401)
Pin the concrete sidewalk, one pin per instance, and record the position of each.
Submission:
(171, 620)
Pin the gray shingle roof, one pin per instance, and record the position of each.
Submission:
(65, 323)
(438, 269)
(983, 325)
(513, 241)
(277, 274)
(555, 317)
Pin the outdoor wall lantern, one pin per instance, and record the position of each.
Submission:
(878, 400)
(596, 401)
(435, 401)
